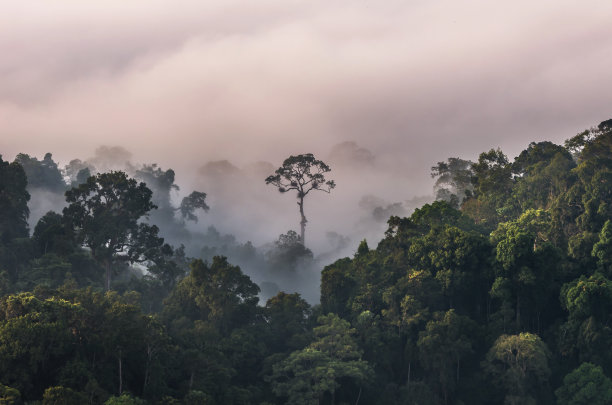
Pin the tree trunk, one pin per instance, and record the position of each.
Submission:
(147, 367)
(120, 375)
(358, 396)
(108, 274)
(408, 379)
(518, 311)
(457, 370)
(303, 221)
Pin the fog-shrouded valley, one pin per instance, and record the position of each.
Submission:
(306, 203)
(115, 276)
(244, 218)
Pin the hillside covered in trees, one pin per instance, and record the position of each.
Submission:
(498, 292)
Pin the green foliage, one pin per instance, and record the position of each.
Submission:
(490, 296)
(212, 313)
(50, 270)
(527, 275)
(308, 374)
(42, 174)
(454, 180)
(602, 250)
(422, 220)
(493, 183)
(518, 365)
(105, 212)
(74, 339)
(587, 333)
(9, 396)
(287, 317)
(218, 293)
(124, 399)
(14, 199)
(62, 396)
(443, 346)
(52, 236)
(337, 286)
(288, 253)
(197, 398)
(586, 385)
(544, 174)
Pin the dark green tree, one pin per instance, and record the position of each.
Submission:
(9, 396)
(104, 213)
(587, 333)
(211, 313)
(15, 248)
(602, 250)
(287, 317)
(527, 274)
(586, 385)
(308, 374)
(62, 396)
(288, 252)
(42, 174)
(445, 344)
(543, 173)
(218, 293)
(518, 366)
(492, 186)
(195, 200)
(51, 235)
(14, 199)
(454, 180)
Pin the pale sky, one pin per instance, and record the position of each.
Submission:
(184, 82)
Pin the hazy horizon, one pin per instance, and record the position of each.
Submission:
(188, 84)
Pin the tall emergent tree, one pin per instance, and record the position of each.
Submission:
(104, 213)
(302, 173)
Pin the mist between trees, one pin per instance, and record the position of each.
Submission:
(247, 222)
(497, 292)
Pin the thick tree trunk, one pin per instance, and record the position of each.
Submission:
(302, 222)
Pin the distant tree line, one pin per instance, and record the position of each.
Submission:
(499, 292)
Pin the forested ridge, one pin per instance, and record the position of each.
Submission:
(498, 292)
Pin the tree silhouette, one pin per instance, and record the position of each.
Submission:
(302, 173)
(104, 213)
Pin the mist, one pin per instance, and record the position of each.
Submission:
(247, 217)
(412, 82)
(223, 91)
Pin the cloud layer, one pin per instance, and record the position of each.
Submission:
(190, 82)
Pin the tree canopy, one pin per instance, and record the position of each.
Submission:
(104, 213)
(498, 292)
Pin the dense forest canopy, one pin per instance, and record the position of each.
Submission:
(498, 292)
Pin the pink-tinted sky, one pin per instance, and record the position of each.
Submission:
(184, 82)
